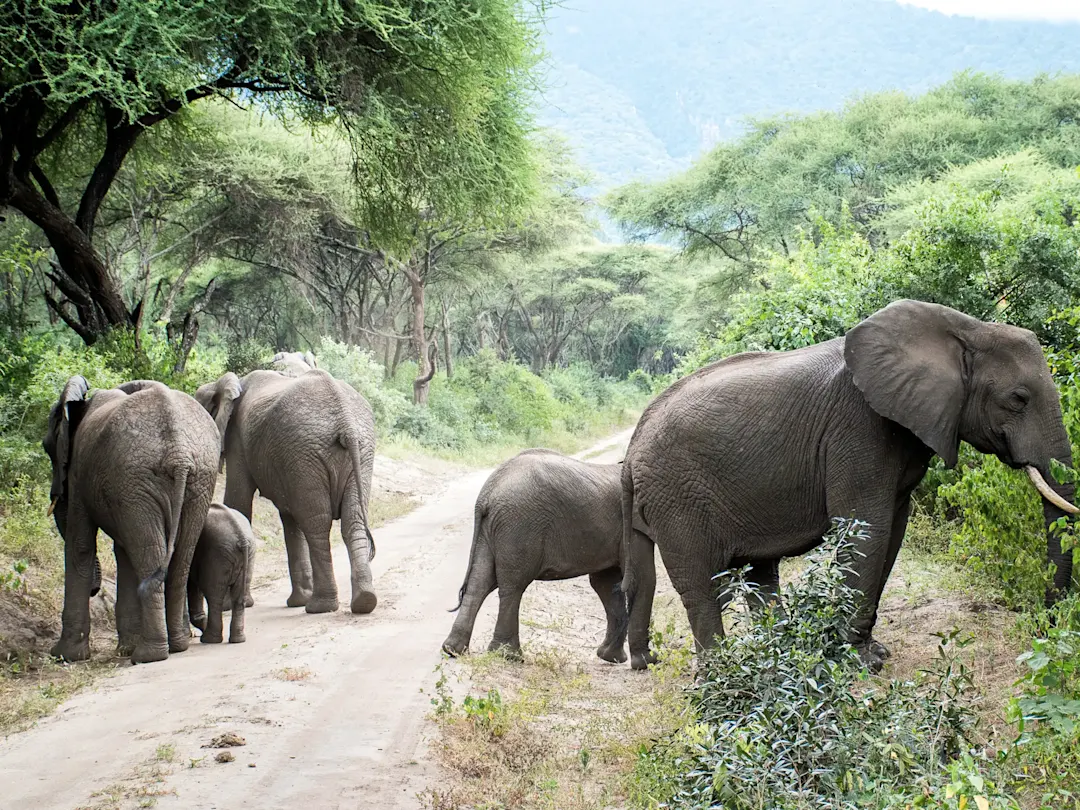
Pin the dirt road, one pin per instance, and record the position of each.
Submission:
(331, 707)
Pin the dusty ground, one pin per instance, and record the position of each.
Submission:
(336, 711)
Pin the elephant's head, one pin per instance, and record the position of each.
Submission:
(294, 363)
(948, 377)
(219, 399)
(59, 440)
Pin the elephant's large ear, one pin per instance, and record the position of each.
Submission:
(64, 420)
(219, 398)
(908, 360)
(309, 358)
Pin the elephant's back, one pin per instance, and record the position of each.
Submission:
(556, 514)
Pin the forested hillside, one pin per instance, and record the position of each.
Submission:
(639, 86)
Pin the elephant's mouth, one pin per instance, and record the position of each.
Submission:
(1048, 492)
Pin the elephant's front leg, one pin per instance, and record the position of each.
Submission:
(867, 568)
(640, 602)
(128, 610)
(196, 603)
(605, 584)
(896, 539)
(80, 546)
(296, 547)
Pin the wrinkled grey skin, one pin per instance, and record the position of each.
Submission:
(545, 516)
(294, 363)
(221, 572)
(308, 444)
(138, 462)
(750, 457)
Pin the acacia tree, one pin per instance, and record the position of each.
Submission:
(415, 85)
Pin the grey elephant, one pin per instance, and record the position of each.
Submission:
(138, 462)
(221, 572)
(750, 457)
(294, 363)
(308, 444)
(545, 516)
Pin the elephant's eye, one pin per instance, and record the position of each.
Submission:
(1019, 399)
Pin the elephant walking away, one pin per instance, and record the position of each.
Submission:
(138, 462)
(221, 572)
(544, 516)
(308, 444)
(749, 458)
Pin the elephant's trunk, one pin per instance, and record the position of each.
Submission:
(1048, 493)
(1057, 504)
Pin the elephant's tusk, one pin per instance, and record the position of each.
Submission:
(1048, 493)
(52, 507)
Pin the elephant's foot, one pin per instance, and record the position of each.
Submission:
(180, 643)
(147, 654)
(642, 660)
(615, 653)
(511, 652)
(454, 647)
(879, 649)
(126, 646)
(322, 604)
(870, 659)
(248, 601)
(237, 638)
(210, 638)
(298, 598)
(364, 601)
(71, 649)
(199, 620)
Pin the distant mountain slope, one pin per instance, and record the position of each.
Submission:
(641, 86)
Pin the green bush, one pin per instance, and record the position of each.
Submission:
(782, 716)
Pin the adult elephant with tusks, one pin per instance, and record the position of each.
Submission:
(138, 462)
(308, 444)
(749, 458)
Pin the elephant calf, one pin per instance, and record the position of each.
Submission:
(542, 515)
(221, 572)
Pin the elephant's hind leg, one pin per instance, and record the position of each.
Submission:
(478, 586)
(640, 602)
(506, 639)
(354, 533)
(128, 611)
(324, 591)
(296, 548)
(604, 583)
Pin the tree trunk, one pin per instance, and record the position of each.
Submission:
(419, 337)
(448, 360)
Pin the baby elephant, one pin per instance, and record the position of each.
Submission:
(542, 515)
(221, 571)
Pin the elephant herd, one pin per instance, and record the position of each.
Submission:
(140, 462)
(741, 463)
(749, 459)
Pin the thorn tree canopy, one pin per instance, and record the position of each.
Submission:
(432, 95)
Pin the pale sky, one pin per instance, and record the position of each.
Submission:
(1057, 10)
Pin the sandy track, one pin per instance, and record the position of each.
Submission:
(331, 706)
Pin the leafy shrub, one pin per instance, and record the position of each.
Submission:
(242, 356)
(782, 716)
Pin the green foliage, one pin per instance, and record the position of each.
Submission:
(782, 716)
(360, 370)
(243, 356)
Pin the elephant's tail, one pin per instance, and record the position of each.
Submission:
(177, 504)
(478, 526)
(628, 586)
(352, 444)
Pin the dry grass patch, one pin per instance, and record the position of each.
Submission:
(293, 674)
